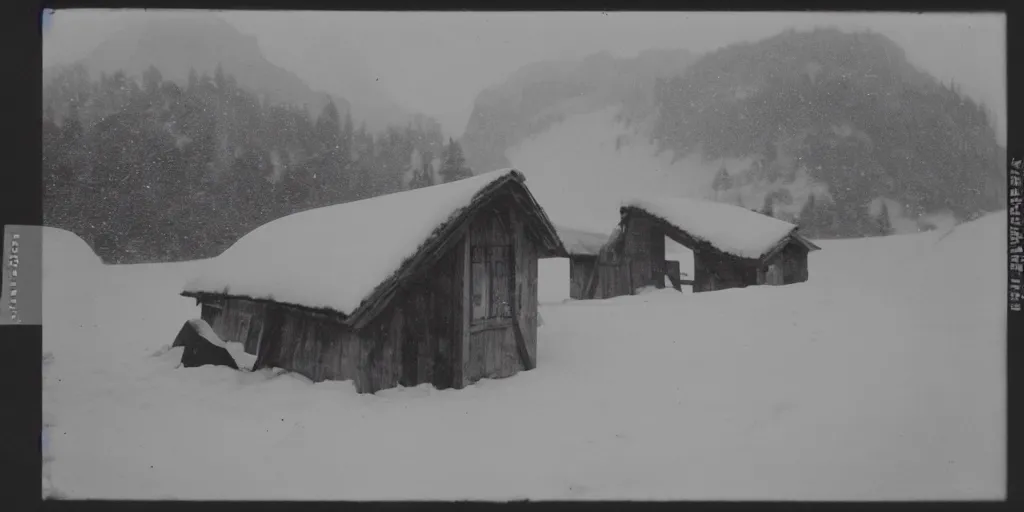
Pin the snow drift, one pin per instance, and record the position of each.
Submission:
(882, 378)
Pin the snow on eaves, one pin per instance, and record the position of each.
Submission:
(334, 257)
(730, 229)
(207, 332)
(581, 243)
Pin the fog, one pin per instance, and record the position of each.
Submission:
(436, 63)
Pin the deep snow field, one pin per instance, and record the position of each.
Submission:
(883, 377)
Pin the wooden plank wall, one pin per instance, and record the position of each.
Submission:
(314, 345)
(794, 261)
(581, 271)
(659, 266)
(236, 320)
(641, 262)
(525, 291)
(718, 271)
(492, 351)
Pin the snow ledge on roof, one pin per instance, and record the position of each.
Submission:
(333, 257)
(730, 229)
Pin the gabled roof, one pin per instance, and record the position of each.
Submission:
(581, 243)
(341, 258)
(726, 228)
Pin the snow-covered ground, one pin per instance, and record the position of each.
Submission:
(883, 377)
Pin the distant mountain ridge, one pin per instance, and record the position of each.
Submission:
(825, 128)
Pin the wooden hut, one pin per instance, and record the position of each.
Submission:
(582, 248)
(732, 247)
(586, 267)
(435, 285)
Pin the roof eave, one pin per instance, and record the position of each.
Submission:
(228, 296)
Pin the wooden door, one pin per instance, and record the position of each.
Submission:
(491, 349)
(774, 275)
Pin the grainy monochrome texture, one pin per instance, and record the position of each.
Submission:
(523, 255)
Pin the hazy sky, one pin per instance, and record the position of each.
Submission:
(436, 63)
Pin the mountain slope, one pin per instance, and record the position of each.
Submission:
(840, 117)
(541, 94)
(846, 111)
(176, 44)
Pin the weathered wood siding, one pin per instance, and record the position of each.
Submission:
(525, 276)
(794, 263)
(643, 254)
(581, 272)
(714, 270)
(788, 266)
(492, 346)
(236, 320)
(425, 318)
(632, 262)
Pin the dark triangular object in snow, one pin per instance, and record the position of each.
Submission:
(202, 350)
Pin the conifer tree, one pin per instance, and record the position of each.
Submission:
(453, 167)
(884, 224)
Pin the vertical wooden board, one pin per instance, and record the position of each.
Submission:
(310, 347)
(500, 276)
(498, 337)
(441, 324)
(485, 353)
(393, 350)
(342, 371)
(456, 304)
(286, 345)
(255, 329)
(699, 274)
(480, 283)
(576, 282)
(465, 305)
(328, 359)
(295, 361)
(418, 321)
(510, 360)
(499, 348)
(306, 360)
(358, 360)
(478, 347)
(533, 305)
(316, 351)
(409, 356)
(269, 338)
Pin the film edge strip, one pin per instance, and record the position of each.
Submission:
(1016, 270)
(21, 276)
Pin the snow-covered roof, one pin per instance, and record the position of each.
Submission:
(581, 243)
(730, 229)
(334, 257)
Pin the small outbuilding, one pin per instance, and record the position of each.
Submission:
(582, 248)
(435, 285)
(732, 247)
(586, 268)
